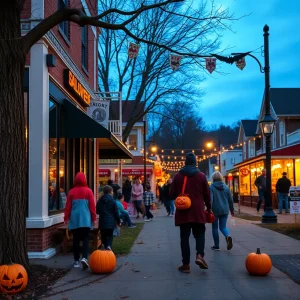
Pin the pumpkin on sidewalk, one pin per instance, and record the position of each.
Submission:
(102, 261)
(13, 279)
(258, 264)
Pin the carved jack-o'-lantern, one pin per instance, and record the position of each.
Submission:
(183, 202)
(13, 279)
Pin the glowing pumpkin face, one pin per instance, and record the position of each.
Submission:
(13, 279)
(183, 202)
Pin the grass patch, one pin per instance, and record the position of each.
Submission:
(291, 230)
(123, 243)
(248, 217)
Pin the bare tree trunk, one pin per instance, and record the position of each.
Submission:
(12, 139)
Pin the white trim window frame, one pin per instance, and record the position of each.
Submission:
(282, 136)
(251, 148)
(274, 138)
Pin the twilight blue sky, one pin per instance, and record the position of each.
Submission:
(238, 95)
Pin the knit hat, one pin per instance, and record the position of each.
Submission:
(190, 159)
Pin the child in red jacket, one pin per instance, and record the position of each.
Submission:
(80, 215)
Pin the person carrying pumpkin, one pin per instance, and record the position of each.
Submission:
(80, 215)
(222, 203)
(108, 212)
(191, 216)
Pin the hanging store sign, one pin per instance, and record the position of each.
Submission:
(76, 88)
(103, 172)
(137, 172)
(99, 111)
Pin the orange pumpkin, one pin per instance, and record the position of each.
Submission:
(258, 264)
(183, 202)
(102, 261)
(13, 279)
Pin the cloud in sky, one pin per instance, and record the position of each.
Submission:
(238, 95)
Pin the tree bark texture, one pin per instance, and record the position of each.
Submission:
(13, 167)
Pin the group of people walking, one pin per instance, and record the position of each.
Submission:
(81, 211)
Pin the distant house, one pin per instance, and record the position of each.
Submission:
(285, 108)
(130, 168)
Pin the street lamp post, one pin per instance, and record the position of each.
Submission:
(154, 149)
(267, 127)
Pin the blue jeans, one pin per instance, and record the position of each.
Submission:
(261, 199)
(125, 217)
(220, 223)
(172, 207)
(283, 199)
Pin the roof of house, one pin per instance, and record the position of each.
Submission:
(285, 101)
(249, 127)
(128, 109)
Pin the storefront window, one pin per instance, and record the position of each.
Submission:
(53, 155)
(297, 171)
(255, 171)
(62, 181)
(278, 166)
(244, 174)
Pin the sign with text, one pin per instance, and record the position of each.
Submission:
(136, 172)
(295, 193)
(114, 161)
(76, 88)
(295, 207)
(103, 172)
(99, 111)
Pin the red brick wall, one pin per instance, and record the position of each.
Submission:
(74, 49)
(26, 12)
(39, 240)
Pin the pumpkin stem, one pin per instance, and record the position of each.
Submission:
(258, 251)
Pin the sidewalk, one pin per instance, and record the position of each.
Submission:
(150, 271)
(281, 218)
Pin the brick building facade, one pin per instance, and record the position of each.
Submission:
(60, 79)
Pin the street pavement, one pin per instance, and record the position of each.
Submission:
(281, 218)
(150, 270)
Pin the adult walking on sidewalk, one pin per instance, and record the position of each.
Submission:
(283, 188)
(260, 183)
(137, 197)
(168, 199)
(80, 214)
(193, 218)
(221, 203)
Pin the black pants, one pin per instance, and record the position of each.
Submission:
(107, 237)
(81, 234)
(137, 204)
(167, 205)
(199, 235)
(148, 212)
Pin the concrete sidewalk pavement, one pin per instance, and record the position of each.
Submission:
(281, 218)
(150, 271)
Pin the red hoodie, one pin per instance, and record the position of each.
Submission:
(80, 192)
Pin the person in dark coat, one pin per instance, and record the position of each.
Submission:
(108, 212)
(193, 218)
(168, 200)
(126, 191)
(260, 183)
(115, 188)
(283, 188)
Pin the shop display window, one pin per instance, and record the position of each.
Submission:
(297, 171)
(255, 171)
(278, 166)
(244, 175)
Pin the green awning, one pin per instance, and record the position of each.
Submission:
(75, 123)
